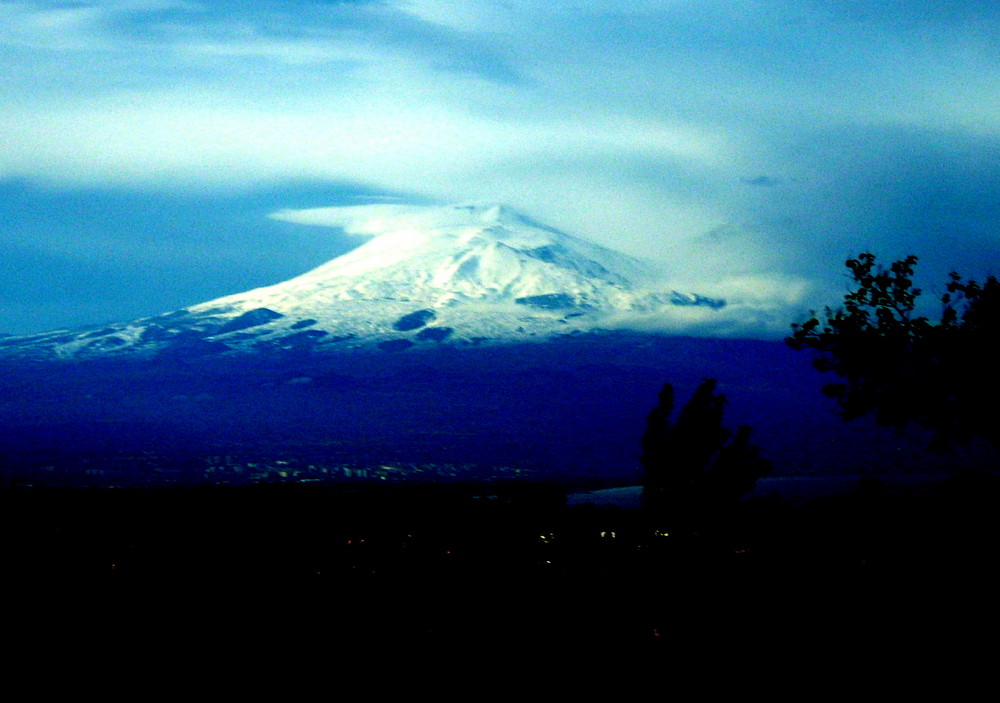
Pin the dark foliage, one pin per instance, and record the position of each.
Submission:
(692, 466)
(902, 367)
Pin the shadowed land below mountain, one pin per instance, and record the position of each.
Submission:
(572, 409)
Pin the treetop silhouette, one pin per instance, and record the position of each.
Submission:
(692, 465)
(901, 367)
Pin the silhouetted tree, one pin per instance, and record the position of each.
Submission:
(901, 367)
(689, 467)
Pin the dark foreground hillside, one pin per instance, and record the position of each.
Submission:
(507, 566)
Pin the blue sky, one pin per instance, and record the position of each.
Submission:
(749, 146)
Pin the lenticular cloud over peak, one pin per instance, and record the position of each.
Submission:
(374, 220)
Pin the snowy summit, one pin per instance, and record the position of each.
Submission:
(464, 274)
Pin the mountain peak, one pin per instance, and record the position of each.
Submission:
(426, 275)
(490, 213)
(476, 251)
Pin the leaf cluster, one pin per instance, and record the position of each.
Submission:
(902, 367)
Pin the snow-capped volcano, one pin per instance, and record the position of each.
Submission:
(464, 253)
(427, 276)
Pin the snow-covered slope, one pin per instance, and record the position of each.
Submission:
(468, 274)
